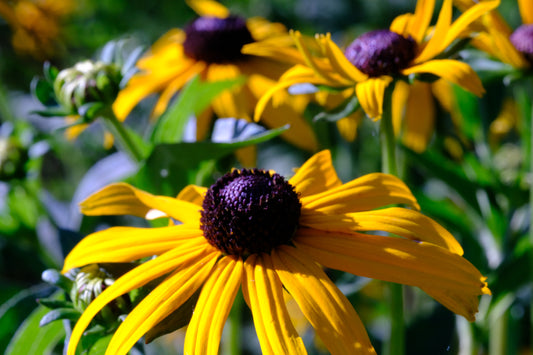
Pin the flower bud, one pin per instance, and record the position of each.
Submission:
(87, 82)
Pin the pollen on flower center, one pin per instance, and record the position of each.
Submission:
(522, 39)
(216, 40)
(250, 211)
(381, 52)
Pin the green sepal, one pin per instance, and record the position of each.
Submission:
(55, 303)
(54, 277)
(91, 111)
(60, 313)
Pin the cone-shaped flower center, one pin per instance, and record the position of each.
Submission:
(216, 40)
(381, 52)
(522, 39)
(250, 211)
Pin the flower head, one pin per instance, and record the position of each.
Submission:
(210, 46)
(255, 230)
(408, 48)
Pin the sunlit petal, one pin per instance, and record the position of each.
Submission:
(370, 94)
(193, 194)
(435, 45)
(459, 73)
(272, 322)
(213, 307)
(339, 61)
(327, 309)
(124, 199)
(419, 22)
(365, 193)
(419, 119)
(208, 8)
(124, 244)
(316, 175)
(400, 221)
(141, 275)
(526, 11)
(161, 302)
(421, 264)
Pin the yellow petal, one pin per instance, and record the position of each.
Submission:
(232, 102)
(419, 22)
(419, 120)
(435, 44)
(348, 126)
(271, 49)
(370, 94)
(365, 193)
(420, 264)
(316, 175)
(498, 45)
(213, 307)
(339, 61)
(123, 199)
(526, 11)
(466, 19)
(395, 220)
(451, 70)
(193, 194)
(208, 8)
(400, 24)
(309, 59)
(168, 296)
(273, 325)
(124, 244)
(262, 29)
(188, 254)
(400, 96)
(327, 309)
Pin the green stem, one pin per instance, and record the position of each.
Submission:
(121, 134)
(396, 344)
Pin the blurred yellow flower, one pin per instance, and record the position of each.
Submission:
(36, 25)
(409, 47)
(210, 47)
(255, 230)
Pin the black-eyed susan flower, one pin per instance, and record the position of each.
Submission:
(210, 46)
(36, 25)
(256, 231)
(409, 49)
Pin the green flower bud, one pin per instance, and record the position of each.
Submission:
(87, 82)
(13, 157)
(90, 282)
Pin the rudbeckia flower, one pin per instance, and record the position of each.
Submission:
(256, 231)
(210, 47)
(36, 25)
(498, 39)
(408, 49)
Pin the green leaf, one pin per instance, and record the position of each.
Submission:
(59, 313)
(54, 277)
(53, 112)
(55, 303)
(468, 107)
(90, 111)
(193, 99)
(94, 343)
(43, 91)
(30, 338)
(177, 163)
(50, 72)
(345, 109)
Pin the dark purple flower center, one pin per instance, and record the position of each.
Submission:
(381, 52)
(216, 40)
(250, 211)
(522, 39)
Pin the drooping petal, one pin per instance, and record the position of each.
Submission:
(168, 296)
(430, 267)
(125, 244)
(400, 95)
(124, 199)
(327, 309)
(400, 221)
(213, 307)
(311, 61)
(457, 72)
(362, 194)
(339, 61)
(498, 45)
(140, 276)
(526, 11)
(419, 119)
(316, 175)
(370, 94)
(348, 126)
(208, 8)
(435, 44)
(264, 292)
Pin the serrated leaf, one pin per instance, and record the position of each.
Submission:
(30, 338)
(193, 99)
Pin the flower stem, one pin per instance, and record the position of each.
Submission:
(121, 134)
(396, 345)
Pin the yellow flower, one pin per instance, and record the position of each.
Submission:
(257, 231)
(211, 47)
(498, 39)
(36, 25)
(368, 65)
